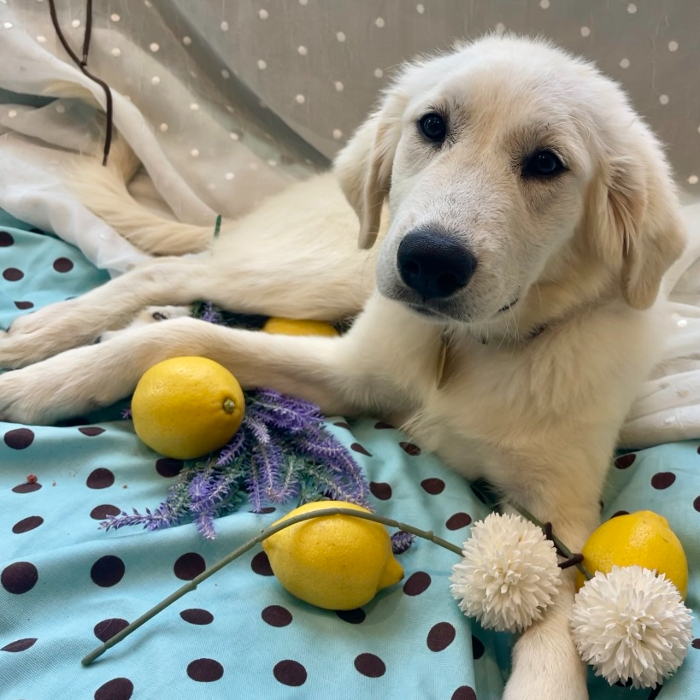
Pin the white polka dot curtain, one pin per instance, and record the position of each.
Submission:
(236, 99)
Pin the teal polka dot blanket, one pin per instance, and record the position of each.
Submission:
(67, 585)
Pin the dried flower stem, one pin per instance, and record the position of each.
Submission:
(192, 585)
(268, 532)
(561, 547)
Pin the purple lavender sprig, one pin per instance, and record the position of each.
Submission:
(281, 452)
(401, 541)
(210, 314)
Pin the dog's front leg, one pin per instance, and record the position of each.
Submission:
(344, 375)
(546, 664)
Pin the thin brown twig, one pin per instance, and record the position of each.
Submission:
(82, 64)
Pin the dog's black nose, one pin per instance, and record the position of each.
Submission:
(434, 264)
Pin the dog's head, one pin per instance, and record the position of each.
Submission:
(508, 166)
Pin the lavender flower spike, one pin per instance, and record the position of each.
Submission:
(281, 452)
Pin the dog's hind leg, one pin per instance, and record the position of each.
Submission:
(300, 284)
(295, 256)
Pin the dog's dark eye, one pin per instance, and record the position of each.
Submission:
(433, 127)
(542, 164)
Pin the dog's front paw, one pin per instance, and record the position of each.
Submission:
(546, 666)
(52, 390)
(36, 336)
(17, 348)
(24, 398)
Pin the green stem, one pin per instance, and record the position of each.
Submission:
(192, 585)
(557, 542)
(390, 522)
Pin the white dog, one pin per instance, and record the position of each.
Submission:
(513, 313)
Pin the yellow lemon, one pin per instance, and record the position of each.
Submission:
(335, 562)
(186, 407)
(643, 538)
(288, 326)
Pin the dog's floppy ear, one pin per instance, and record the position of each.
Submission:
(643, 228)
(364, 167)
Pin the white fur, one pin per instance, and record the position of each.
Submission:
(584, 253)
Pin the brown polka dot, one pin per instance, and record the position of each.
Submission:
(27, 487)
(91, 431)
(625, 461)
(19, 439)
(19, 577)
(663, 480)
(410, 449)
(290, 672)
(104, 511)
(380, 490)
(260, 564)
(458, 521)
(62, 265)
(441, 636)
(478, 648)
(22, 305)
(197, 616)
(276, 616)
(6, 239)
(464, 692)
(100, 478)
(696, 504)
(381, 425)
(20, 644)
(189, 566)
(342, 424)
(358, 448)
(417, 583)
(107, 571)
(354, 617)
(108, 628)
(12, 274)
(168, 467)
(433, 486)
(27, 524)
(116, 689)
(370, 665)
(618, 513)
(264, 511)
(695, 644)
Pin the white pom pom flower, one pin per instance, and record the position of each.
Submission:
(631, 624)
(508, 573)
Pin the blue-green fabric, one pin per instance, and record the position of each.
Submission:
(63, 579)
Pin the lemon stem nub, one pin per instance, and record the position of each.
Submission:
(229, 406)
